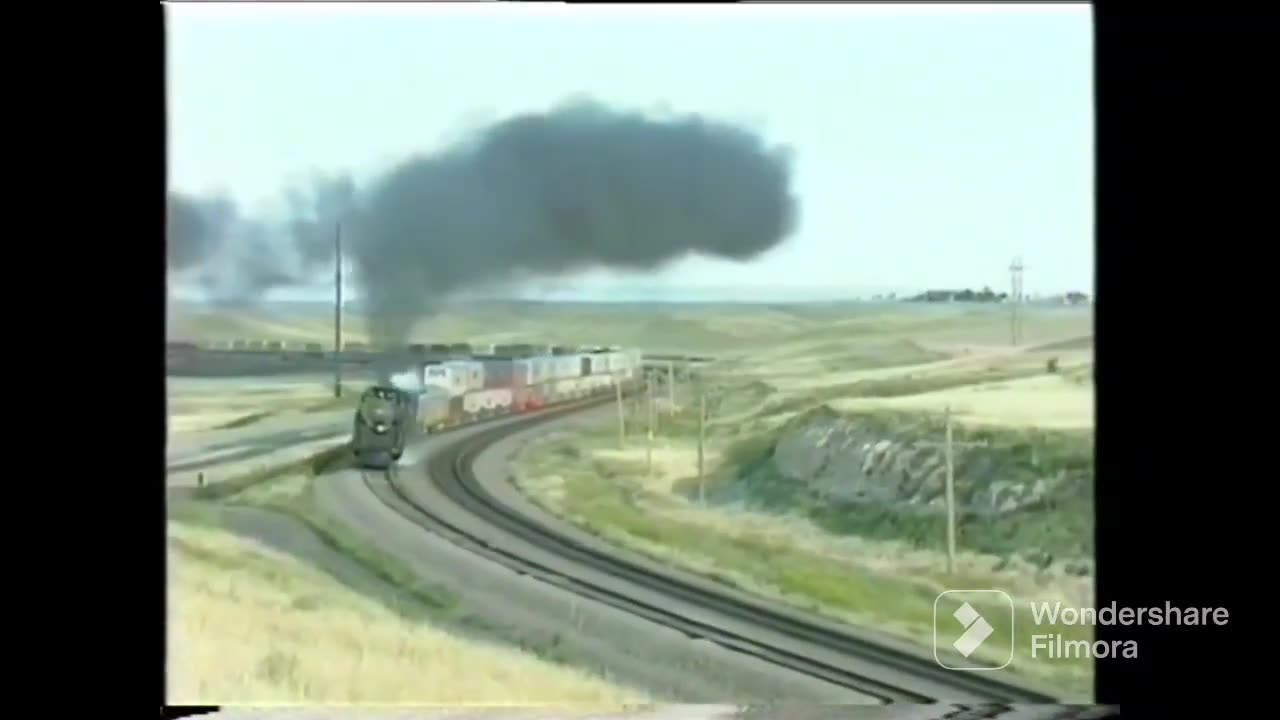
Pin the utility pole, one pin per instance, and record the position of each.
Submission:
(648, 450)
(951, 487)
(622, 419)
(1015, 298)
(671, 385)
(951, 499)
(702, 436)
(337, 311)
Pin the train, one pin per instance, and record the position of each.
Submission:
(414, 397)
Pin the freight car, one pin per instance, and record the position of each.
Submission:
(432, 395)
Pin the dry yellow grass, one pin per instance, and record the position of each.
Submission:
(671, 462)
(196, 405)
(1049, 402)
(789, 379)
(251, 626)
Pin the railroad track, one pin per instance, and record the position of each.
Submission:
(889, 675)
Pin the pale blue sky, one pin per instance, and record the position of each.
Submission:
(931, 144)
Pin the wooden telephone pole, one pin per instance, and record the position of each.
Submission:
(951, 487)
(622, 419)
(648, 450)
(671, 385)
(337, 311)
(1015, 300)
(702, 438)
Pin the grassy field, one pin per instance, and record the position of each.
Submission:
(877, 368)
(202, 404)
(252, 625)
(865, 579)
(874, 566)
(839, 332)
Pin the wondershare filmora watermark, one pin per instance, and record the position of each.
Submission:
(979, 629)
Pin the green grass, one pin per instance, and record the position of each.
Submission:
(1060, 527)
(288, 490)
(244, 420)
(597, 496)
(349, 400)
(319, 463)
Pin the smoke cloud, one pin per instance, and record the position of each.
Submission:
(579, 187)
(196, 228)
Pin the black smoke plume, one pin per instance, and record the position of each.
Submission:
(197, 227)
(579, 187)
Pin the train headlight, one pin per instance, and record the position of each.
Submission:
(379, 427)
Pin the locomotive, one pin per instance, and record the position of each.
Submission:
(379, 435)
(448, 391)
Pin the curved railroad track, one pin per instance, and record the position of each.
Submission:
(887, 674)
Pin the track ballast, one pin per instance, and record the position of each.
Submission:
(889, 675)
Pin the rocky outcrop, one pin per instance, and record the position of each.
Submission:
(854, 462)
(885, 476)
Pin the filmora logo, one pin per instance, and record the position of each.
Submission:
(973, 629)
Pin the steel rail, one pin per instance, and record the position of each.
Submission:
(450, 468)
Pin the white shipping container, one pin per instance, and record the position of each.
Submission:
(621, 364)
(539, 369)
(475, 402)
(469, 372)
(571, 388)
(445, 378)
(551, 368)
(568, 366)
(522, 372)
(499, 399)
